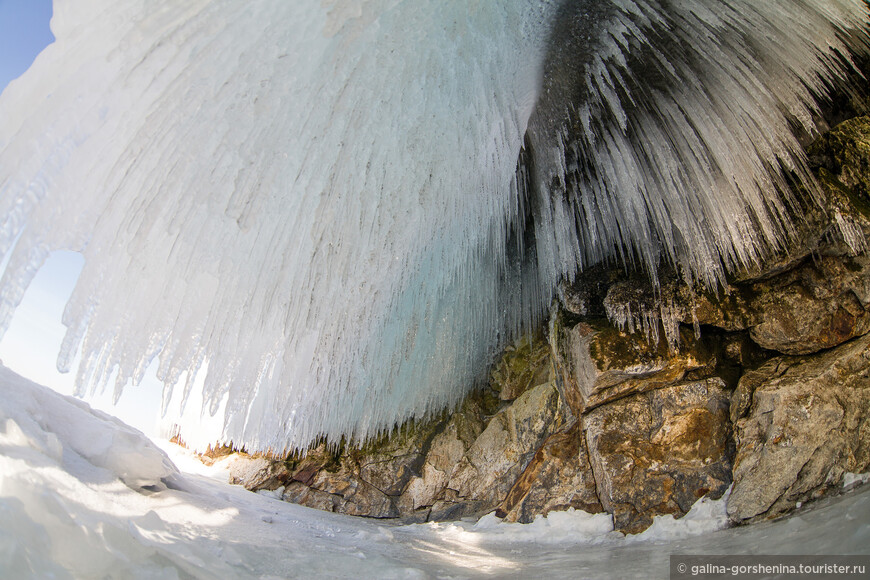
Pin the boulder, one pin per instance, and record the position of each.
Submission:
(657, 453)
(301, 494)
(453, 508)
(355, 496)
(257, 472)
(801, 422)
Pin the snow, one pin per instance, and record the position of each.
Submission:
(309, 213)
(851, 480)
(68, 431)
(707, 515)
(84, 496)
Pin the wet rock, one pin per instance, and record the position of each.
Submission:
(559, 477)
(802, 422)
(499, 455)
(657, 453)
(602, 364)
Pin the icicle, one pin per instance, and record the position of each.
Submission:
(851, 233)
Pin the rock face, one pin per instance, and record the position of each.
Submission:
(559, 477)
(659, 452)
(803, 422)
(495, 460)
(448, 468)
(602, 364)
(844, 154)
(655, 441)
(639, 400)
(816, 306)
(448, 448)
(257, 473)
(526, 365)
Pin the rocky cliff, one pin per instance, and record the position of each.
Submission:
(638, 399)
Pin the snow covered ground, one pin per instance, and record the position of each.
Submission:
(82, 495)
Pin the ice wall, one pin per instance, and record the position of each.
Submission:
(321, 201)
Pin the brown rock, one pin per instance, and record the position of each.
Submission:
(321, 457)
(390, 462)
(390, 474)
(499, 455)
(559, 477)
(444, 454)
(823, 302)
(658, 311)
(729, 310)
(447, 510)
(817, 306)
(844, 152)
(601, 364)
(301, 494)
(807, 421)
(356, 497)
(366, 481)
(368, 501)
(257, 472)
(658, 452)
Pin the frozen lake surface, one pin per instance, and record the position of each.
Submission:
(82, 495)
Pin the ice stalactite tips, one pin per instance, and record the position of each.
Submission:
(320, 202)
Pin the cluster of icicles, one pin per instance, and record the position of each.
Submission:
(319, 204)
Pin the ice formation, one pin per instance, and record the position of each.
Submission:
(339, 210)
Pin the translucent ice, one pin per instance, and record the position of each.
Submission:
(321, 202)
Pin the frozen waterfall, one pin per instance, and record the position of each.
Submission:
(338, 211)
